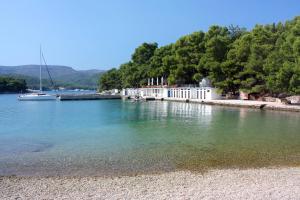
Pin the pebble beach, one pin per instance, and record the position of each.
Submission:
(263, 183)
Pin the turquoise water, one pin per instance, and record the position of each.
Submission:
(115, 137)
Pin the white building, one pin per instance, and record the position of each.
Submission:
(131, 92)
(205, 91)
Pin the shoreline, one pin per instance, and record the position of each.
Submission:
(260, 183)
(262, 105)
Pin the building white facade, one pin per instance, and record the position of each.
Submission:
(204, 92)
(201, 93)
(131, 92)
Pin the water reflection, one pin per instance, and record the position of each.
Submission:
(154, 110)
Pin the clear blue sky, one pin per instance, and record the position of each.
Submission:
(103, 33)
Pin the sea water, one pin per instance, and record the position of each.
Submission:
(116, 137)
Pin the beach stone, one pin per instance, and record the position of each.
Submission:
(263, 183)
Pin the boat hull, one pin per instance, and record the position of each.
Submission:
(36, 97)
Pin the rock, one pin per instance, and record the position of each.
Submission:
(231, 96)
(282, 95)
(253, 96)
(285, 101)
(294, 99)
(244, 95)
(271, 99)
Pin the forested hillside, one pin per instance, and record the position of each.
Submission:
(63, 76)
(263, 60)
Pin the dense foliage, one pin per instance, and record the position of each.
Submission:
(11, 85)
(263, 60)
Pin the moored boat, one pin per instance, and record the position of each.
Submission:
(39, 96)
(36, 97)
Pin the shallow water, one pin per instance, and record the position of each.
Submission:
(114, 137)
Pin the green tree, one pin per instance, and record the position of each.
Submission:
(129, 75)
(217, 43)
(188, 51)
(110, 80)
(143, 53)
(160, 64)
(8, 84)
(263, 60)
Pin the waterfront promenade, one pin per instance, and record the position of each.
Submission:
(243, 103)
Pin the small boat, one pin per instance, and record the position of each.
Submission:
(38, 96)
(137, 98)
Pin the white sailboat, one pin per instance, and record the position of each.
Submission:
(39, 96)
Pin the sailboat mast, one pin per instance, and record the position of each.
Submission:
(40, 68)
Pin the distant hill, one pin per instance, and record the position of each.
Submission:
(63, 76)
